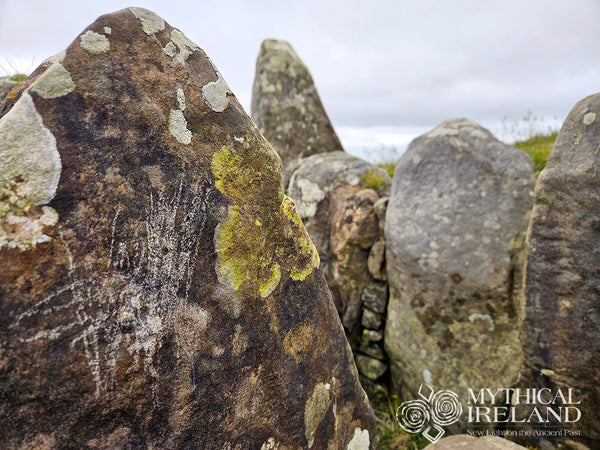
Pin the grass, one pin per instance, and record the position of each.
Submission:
(538, 147)
(389, 167)
(373, 179)
(391, 436)
(18, 77)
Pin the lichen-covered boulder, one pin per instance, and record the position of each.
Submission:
(286, 105)
(561, 310)
(457, 215)
(158, 289)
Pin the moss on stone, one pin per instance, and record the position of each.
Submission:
(260, 242)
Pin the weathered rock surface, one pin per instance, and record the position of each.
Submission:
(286, 106)
(158, 288)
(561, 318)
(466, 442)
(6, 85)
(458, 211)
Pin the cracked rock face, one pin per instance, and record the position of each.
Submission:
(158, 288)
(455, 224)
(286, 105)
(561, 312)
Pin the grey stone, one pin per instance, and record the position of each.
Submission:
(375, 297)
(320, 174)
(370, 367)
(561, 323)
(460, 199)
(466, 442)
(371, 320)
(376, 261)
(374, 350)
(372, 336)
(286, 106)
(6, 85)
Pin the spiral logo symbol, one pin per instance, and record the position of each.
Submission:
(445, 408)
(413, 415)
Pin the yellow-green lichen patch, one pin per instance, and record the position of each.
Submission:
(315, 410)
(30, 164)
(247, 173)
(243, 262)
(309, 257)
(267, 288)
(263, 240)
(55, 82)
(151, 22)
(94, 43)
(184, 44)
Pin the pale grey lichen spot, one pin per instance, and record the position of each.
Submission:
(178, 127)
(108, 30)
(311, 196)
(181, 99)
(94, 43)
(185, 45)
(55, 82)
(54, 59)
(30, 164)
(151, 22)
(483, 318)
(589, 118)
(170, 49)
(360, 440)
(427, 377)
(215, 94)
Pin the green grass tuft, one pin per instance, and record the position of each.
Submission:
(538, 147)
(18, 77)
(389, 167)
(373, 179)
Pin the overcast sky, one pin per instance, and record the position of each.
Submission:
(386, 70)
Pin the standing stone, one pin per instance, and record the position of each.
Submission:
(458, 209)
(561, 319)
(286, 106)
(158, 289)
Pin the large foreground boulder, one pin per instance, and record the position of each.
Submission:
(286, 105)
(561, 324)
(456, 220)
(158, 289)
